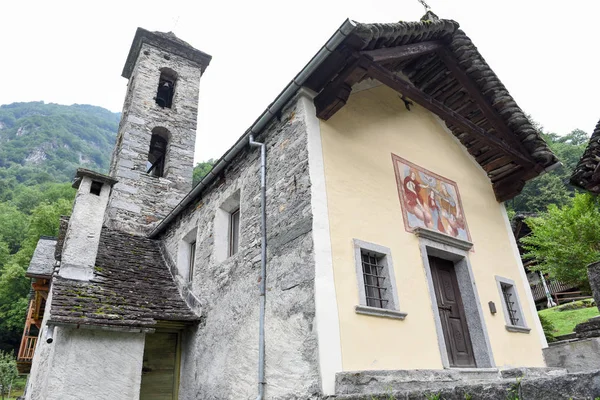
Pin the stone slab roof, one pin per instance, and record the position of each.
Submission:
(62, 233)
(166, 41)
(586, 175)
(431, 74)
(96, 176)
(132, 288)
(42, 262)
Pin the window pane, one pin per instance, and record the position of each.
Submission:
(373, 277)
(191, 261)
(234, 232)
(511, 304)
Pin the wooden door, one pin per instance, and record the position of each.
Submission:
(160, 370)
(452, 313)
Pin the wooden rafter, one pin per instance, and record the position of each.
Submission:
(334, 96)
(475, 93)
(390, 79)
(404, 52)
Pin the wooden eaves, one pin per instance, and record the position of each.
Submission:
(505, 150)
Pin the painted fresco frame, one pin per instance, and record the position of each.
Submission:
(400, 178)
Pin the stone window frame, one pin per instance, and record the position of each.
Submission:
(222, 226)
(524, 328)
(184, 262)
(436, 244)
(393, 305)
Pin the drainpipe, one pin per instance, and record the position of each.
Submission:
(263, 266)
(50, 333)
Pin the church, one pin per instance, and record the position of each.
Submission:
(357, 230)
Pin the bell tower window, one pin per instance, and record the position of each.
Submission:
(166, 87)
(158, 152)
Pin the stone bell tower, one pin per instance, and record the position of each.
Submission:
(153, 157)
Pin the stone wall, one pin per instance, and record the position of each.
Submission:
(93, 364)
(579, 355)
(593, 272)
(36, 383)
(85, 364)
(577, 386)
(138, 200)
(220, 357)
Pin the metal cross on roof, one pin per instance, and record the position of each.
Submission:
(424, 4)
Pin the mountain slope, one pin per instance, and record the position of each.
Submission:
(47, 142)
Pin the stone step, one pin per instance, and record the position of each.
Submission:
(556, 385)
(369, 382)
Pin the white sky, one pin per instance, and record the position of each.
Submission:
(544, 51)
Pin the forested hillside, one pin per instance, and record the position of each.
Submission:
(41, 145)
(42, 142)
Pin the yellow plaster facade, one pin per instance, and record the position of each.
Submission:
(363, 203)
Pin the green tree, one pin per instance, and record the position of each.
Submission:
(8, 371)
(14, 286)
(565, 240)
(13, 226)
(553, 187)
(201, 169)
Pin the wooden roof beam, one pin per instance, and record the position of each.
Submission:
(404, 52)
(390, 79)
(475, 93)
(335, 94)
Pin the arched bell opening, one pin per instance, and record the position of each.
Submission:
(166, 87)
(158, 152)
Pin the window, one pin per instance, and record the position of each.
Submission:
(186, 255)
(158, 152)
(376, 281)
(166, 88)
(227, 228)
(96, 188)
(511, 305)
(234, 231)
(191, 260)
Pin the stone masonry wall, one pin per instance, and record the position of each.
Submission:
(138, 200)
(95, 365)
(85, 364)
(220, 356)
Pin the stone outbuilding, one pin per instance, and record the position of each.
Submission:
(357, 226)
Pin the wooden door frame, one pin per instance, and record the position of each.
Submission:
(442, 246)
(166, 327)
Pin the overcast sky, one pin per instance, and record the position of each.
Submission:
(544, 51)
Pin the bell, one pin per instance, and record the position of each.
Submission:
(163, 95)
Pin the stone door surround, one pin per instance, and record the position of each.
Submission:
(432, 243)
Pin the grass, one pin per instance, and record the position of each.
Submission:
(564, 321)
(14, 394)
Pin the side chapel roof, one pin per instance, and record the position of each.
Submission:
(587, 174)
(42, 261)
(132, 288)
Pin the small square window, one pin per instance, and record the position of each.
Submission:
(234, 232)
(511, 305)
(376, 281)
(96, 188)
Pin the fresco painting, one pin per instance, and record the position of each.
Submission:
(429, 200)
